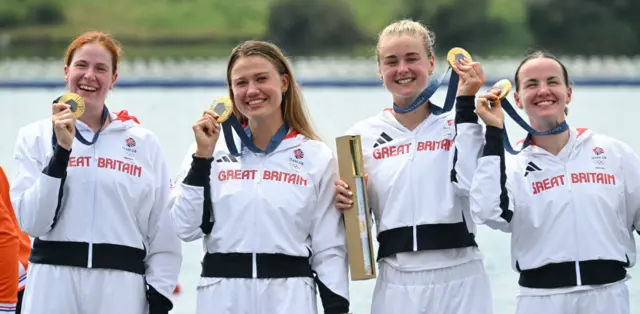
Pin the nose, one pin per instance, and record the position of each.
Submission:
(89, 74)
(402, 66)
(543, 89)
(252, 89)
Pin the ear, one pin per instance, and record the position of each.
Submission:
(285, 82)
(432, 63)
(66, 75)
(516, 97)
(569, 92)
(114, 78)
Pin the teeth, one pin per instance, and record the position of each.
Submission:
(405, 81)
(88, 88)
(255, 102)
(545, 103)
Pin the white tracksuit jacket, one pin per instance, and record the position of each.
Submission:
(104, 206)
(266, 217)
(571, 216)
(418, 185)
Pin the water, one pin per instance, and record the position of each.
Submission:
(171, 112)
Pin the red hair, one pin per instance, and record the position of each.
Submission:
(101, 38)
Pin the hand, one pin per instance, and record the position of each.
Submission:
(64, 125)
(494, 115)
(472, 77)
(344, 196)
(206, 131)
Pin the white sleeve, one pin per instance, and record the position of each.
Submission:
(37, 190)
(467, 144)
(491, 198)
(192, 212)
(328, 243)
(164, 257)
(631, 172)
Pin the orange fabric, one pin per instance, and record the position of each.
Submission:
(15, 246)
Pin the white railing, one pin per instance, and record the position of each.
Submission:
(309, 67)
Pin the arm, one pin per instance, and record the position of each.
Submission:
(490, 197)
(328, 242)
(192, 211)
(9, 249)
(37, 193)
(164, 254)
(631, 172)
(468, 144)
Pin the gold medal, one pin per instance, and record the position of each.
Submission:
(504, 86)
(223, 107)
(456, 54)
(75, 101)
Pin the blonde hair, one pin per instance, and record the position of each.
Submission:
(410, 28)
(294, 110)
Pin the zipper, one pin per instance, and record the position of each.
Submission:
(94, 183)
(260, 175)
(412, 150)
(575, 224)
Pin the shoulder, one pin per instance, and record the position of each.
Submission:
(365, 126)
(35, 129)
(312, 148)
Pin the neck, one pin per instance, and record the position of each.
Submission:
(262, 130)
(553, 143)
(411, 120)
(92, 117)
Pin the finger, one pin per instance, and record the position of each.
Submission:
(342, 200)
(477, 69)
(343, 191)
(342, 183)
(214, 122)
(492, 96)
(481, 105)
(58, 107)
(342, 207)
(212, 114)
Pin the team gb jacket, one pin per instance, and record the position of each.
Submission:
(267, 216)
(99, 206)
(419, 179)
(571, 216)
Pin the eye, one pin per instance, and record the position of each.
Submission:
(262, 79)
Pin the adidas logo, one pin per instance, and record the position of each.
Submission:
(531, 167)
(227, 158)
(384, 138)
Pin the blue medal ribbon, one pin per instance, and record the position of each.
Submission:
(245, 137)
(506, 105)
(79, 137)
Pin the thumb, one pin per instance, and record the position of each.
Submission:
(366, 178)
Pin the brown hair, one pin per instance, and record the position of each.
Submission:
(294, 111)
(539, 55)
(101, 38)
(411, 28)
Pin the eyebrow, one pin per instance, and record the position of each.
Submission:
(536, 80)
(85, 61)
(257, 74)
(410, 54)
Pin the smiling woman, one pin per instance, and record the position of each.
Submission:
(98, 209)
(279, 191)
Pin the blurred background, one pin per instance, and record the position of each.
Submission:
(175, 55)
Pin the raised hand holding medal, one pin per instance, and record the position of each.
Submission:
(65, 112)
